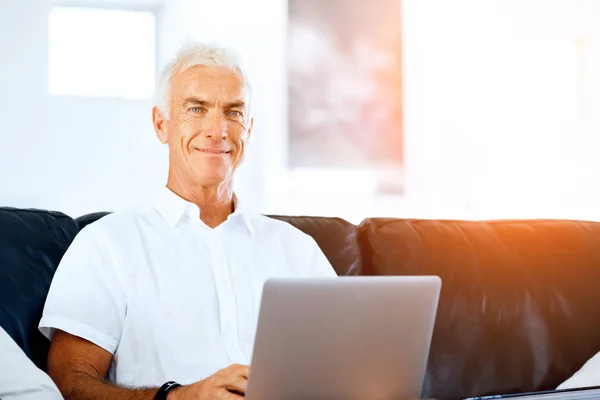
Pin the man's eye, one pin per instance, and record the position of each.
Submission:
(195, 109)
(234, 113)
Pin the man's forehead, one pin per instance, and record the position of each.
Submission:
(203, 76)
(211, 83)
(210, 86)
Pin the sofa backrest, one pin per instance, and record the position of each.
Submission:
(519, 308)
(337, 238)
(32, 242)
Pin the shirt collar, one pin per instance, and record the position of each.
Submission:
(173, 208)
(239, 211)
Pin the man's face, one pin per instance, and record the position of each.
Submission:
(208, 126)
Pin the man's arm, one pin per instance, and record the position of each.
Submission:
(79, 367)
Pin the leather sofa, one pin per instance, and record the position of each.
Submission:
(519, 308)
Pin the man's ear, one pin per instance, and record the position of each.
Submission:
(250, 127)
(158, 120)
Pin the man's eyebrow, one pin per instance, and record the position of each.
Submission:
(192, 100)
(195, 101)
(235, 104)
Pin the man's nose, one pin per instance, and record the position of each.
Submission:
(216, 126)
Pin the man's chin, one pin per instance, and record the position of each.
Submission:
(211, 180)
(207, 174)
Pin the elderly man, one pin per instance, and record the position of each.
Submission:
(161, 301)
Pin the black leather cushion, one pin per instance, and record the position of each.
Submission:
(519, 308)
(32, 242)
(337, 238)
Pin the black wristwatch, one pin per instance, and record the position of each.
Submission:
(165, 389)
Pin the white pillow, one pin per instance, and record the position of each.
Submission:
(588, 375)
(19, 377)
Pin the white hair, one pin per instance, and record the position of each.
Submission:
(191, 55)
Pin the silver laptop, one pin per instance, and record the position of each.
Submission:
(343, 338)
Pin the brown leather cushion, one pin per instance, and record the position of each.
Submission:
(519, 308)
(337, 238)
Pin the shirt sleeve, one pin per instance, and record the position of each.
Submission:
(86, 296)
(20, 379)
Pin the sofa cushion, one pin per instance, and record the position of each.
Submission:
(519, 304)
(337, 238)
(32, 242)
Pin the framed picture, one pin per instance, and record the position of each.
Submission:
(344, 76)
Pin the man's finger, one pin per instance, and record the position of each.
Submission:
(227, 375)
(245, 371)
(227, 395)
(239, 369)
(238, 385)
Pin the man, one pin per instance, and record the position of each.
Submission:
(168, 293)
(20, 379)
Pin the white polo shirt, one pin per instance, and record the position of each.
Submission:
(170, 297)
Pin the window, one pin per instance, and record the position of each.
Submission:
(101, 52)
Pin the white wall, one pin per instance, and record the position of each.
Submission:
(71, 154)
(20, 100)
(493, 108)
(480, 102)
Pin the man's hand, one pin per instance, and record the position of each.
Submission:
(228, 384)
